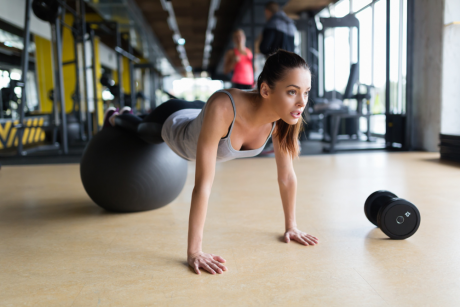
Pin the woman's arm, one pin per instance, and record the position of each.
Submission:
(287, 182)
(217, 119)
(230, 61)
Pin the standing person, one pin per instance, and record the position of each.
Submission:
(239, 59)
(278, 32)
(233, 124)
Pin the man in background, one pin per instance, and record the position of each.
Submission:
(278, 32)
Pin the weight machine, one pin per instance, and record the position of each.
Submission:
(327, 108)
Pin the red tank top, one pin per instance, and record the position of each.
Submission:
(243, 73)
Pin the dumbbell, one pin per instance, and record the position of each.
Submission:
(396, 217)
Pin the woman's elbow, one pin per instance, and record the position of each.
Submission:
(287, 180)
(227, 70)
(201, 191)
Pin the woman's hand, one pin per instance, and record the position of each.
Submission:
(300, 237)
(209, 262)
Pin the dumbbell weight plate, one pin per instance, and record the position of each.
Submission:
(371, 207)
(399, 219)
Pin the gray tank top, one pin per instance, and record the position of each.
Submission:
(182, 129)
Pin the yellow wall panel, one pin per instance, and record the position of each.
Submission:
(125, 75)
(68, 71)
(44, 67)
(100, 103)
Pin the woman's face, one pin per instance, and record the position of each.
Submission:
(239, 38)
(289, 97)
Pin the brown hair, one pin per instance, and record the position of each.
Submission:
(272, 6)
(275, 68)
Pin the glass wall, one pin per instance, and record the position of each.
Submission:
(398, 55)
(341, 50)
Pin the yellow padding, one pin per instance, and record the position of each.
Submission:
(4, 131)
(32, 131)
(38, 132)
(31, 135)
(24, 137)
(12, 138)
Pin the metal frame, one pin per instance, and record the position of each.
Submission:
(333, 22)
(119, 67)
(22, 83)
(59, 82)
(349, 21)
(409, 74)
(24, 67)
(120, 53)
(131, 73)
(93, 66)
(77, 87)
(58, 117)
(387, 81)
(408, 115)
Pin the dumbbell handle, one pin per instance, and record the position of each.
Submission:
(380, 201)
(374, 202)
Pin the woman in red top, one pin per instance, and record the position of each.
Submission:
(239, 59)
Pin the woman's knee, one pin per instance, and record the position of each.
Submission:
(128, 122)
(150, 132)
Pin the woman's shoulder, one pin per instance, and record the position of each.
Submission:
(220, 104)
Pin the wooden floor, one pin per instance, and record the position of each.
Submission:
(59, 249)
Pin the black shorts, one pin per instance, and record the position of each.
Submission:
(242, 86)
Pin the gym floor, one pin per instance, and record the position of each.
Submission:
(59, 249)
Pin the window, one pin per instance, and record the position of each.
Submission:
(398, 45)
(359, 4)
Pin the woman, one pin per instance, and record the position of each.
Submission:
(234, 124)
(239, 60)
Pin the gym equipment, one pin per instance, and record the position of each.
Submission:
(450, 147)
(46, 10)
(107, 80)
(121, 172)
(8, 95)
(396, 217)
(327, 110)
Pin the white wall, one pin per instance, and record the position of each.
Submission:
(450, 116)
(107, 56)
(13, 11)
(451, 11)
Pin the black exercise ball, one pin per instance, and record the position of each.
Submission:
(121, 172)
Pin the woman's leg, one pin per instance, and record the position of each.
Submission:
(163, 111)
(150, 127)
(128, 122)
